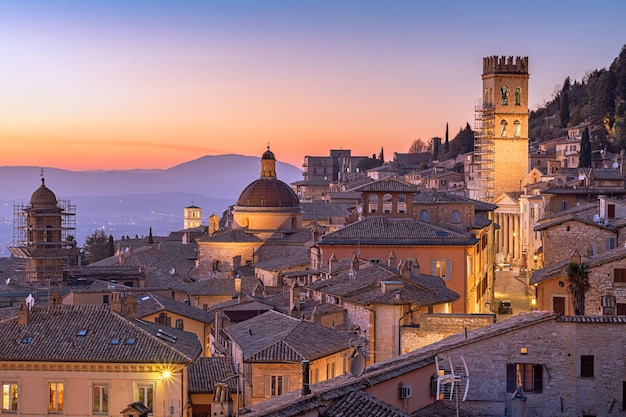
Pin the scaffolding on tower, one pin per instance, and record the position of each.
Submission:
(482, 185)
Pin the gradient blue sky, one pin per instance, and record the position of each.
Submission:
(151, 84)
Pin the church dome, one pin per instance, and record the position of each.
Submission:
(43, 197)
(268, 192)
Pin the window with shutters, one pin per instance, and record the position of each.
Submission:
(275, 385)
(619, 275)
(441, 268)
(527, 375)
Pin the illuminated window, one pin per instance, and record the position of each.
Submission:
(9, 397)
(441, 268)
(100, 399)
(529, 376)
(56, 396)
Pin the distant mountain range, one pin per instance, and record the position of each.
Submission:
(129, 202)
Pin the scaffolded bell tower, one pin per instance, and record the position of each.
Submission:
(501, 141)
(43, 234)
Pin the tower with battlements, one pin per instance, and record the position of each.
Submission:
(501, 144)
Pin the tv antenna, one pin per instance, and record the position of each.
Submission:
(452, 379)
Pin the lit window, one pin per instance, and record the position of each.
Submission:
(529, 376)
(100, 399)
(9, 397)
(56, 396)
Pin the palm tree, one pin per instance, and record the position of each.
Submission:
(577, 284)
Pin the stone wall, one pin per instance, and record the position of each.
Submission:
(434, 327)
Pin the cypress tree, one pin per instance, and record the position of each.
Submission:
(446, 145)
(150, 238)
(111, 246)
(584, 161)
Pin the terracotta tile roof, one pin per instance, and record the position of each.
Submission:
(392, 185)
(52, 334)
(206, 372)
(322, 210)
(276, 337)
(221, 286)
(231, 236)
(283, 263)
(383, 230)
(365, 288)
(359, 403)
(150, 303)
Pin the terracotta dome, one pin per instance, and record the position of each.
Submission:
(268, 192)
(43, 197)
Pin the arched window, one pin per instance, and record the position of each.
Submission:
(503, 128)
(425, 216)
(504, 90)
(518, 94)
(387, 203)
(401, 208)
(455, 216)
(517, 128)
(373, 203)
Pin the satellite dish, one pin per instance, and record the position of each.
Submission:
(596, 217)
(615, 164)
(357, 367)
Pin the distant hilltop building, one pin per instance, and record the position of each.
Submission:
(192, 217)
(43, 234)
(501, 142)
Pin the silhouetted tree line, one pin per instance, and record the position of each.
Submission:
(600, 99)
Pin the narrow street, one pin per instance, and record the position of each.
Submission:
(511, 286)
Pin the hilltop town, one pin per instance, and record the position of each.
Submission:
(383, 291)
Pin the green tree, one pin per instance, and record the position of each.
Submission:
(96, 246)
(585, 150)
(577, 277)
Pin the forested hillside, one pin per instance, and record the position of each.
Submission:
(599, 98)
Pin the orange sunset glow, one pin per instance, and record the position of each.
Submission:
(121, 85)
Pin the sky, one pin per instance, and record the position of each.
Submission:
(121, 84)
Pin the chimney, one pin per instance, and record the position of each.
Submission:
(354, 265)
(405, 269)
(306, 389)
(332, 264)
(238, 286)
(116, 302)
(22, 314)
(130, 307)
(415, 268)
(55, 298)
(392, 261)
(222, 404)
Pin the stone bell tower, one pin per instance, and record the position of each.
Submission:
(501, 144)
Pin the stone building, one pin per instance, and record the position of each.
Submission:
(560, 365)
